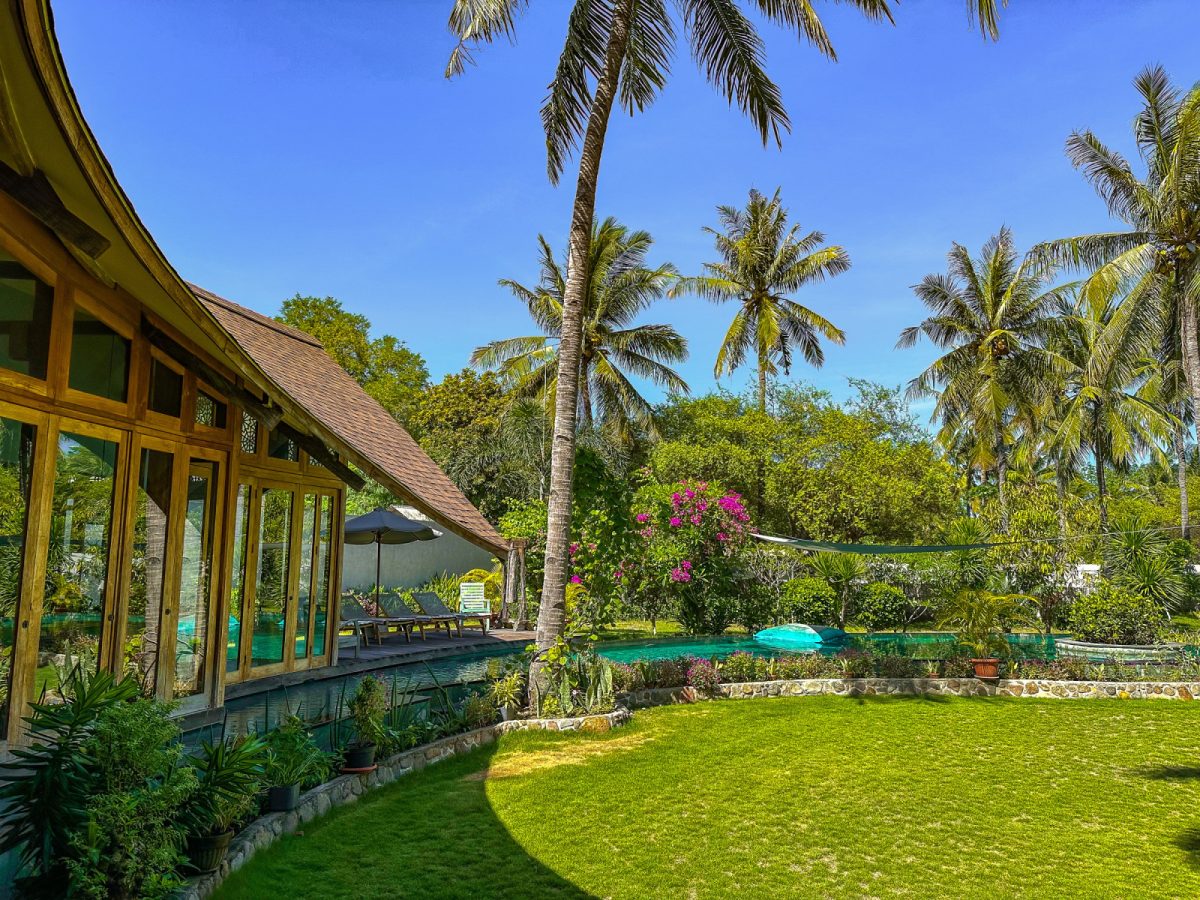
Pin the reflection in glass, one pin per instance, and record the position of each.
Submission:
(271, 586)
(241, 536)
(303, 605)
(99, 358)
(76, 559)
(26, 304)
(147, 571)
(323, 565)
(16, 462)
(191, 636)
(166, 389)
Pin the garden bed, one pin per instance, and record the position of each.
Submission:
(345, 789)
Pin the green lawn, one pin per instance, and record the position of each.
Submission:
(807, 797)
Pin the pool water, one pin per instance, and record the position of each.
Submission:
(921, 644)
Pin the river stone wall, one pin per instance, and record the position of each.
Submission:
(959, 687)
(346, 789)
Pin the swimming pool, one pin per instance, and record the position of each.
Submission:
(921, 644)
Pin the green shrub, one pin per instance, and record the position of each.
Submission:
(809, 600)
(702, 676)
(1113, 615)
(479, 710)
(368, 708)
(896, 665)
(741, 667)
(881, 606)
(293, 756)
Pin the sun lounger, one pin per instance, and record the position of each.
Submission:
(431, 604)
(393, 605)
(354, 613)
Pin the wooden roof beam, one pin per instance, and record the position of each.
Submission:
(36, 194)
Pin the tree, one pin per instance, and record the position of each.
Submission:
(620, 286)
(620, 50)
(1104, 343)
(762, 261)
(387, 370)
(842, 572)
(1157, 258)
(990, 315)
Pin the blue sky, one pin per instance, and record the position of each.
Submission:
(275, 148)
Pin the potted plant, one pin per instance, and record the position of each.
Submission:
(293, 761)
(368, 708)
(980, 620)
(228, 779)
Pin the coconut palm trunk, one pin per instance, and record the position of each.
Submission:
(1001, 482)
(1101, 488)
(1180, 447)
(552, 610)
(1189, 341)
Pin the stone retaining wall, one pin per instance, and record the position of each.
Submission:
(961, 687)
(345, 789)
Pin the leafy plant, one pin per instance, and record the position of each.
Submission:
(479, 709)
(229, 776)
(810, 601)
(842, 572)
(46, 789)
(702, 676)
(368, 708)
(980, 620)
(293, 756)
(881, 606)
(1111, 614)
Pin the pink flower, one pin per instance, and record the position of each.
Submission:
(575, 579)
(702, 505)
(689, 493)
(686, 564)
(676, 521)
(573, 549)
(676, 499)
(722, 536)
(647, 532)
(680, 575)
(696, 519)
(643, 517)
(618, 575)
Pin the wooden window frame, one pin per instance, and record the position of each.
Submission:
(44, 387)
(137, 375)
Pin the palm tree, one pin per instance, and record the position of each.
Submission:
(1157, 258)
(990, 316)
(1166, 387)
(621, 50)
(620, 287)
(762, 261)
(1103, 346)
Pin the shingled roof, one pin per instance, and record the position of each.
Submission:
(362, 431)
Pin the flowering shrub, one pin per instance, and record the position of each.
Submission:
(691, 535)
(702, 675)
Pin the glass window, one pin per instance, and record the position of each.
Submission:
(143, 619)
(271, 585)
(26, 304)
(76, 559)
(16, 463)
(209, 410)
(191, 636)
(166, 389)
(249, 434)
(281, 447)
(303, 596)
(99, 358)
(241, 536)
(323, 564)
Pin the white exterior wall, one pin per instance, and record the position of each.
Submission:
(413, 564)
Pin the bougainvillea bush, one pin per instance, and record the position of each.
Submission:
(690, 536)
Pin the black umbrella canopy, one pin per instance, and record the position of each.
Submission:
(382, 526)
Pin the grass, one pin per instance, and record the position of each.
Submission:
(805, 797)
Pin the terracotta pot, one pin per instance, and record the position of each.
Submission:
(360, 757)
(207, 853)
(987, 668)
(283, 798)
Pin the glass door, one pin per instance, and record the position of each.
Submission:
(193, 623)
(313, 586)
(274, 595)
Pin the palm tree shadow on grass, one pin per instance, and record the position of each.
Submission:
(1189, 840)
(864, 699)
(431, 834)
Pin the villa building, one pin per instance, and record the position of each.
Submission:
(173, 466)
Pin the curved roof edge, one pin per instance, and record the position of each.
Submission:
(140, 266)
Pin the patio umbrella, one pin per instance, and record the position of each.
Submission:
(382, 526)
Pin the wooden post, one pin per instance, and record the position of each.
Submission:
(508, 595)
